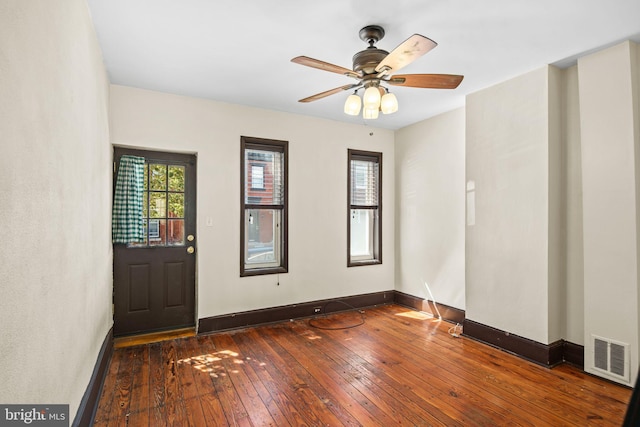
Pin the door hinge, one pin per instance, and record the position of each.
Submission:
(114, 167)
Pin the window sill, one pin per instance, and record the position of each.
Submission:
(362, 263)
(262, 271)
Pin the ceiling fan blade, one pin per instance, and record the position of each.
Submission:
(406, 52)
(321, 65)
(429, 81)
(327, 93)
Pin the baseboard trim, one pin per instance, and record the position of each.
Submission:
(543, 354)
(89, 403)
(294, 311)
(448, 313)
(573, 354)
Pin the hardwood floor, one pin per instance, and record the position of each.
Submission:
(398, 368)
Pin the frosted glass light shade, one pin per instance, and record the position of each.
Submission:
(352, 105)
(370, 113)
(371, 97)
(389, 103)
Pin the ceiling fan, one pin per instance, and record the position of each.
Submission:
(373, 68)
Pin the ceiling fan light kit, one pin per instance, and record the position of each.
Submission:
(371, 97)
(389, 103)
(372, 67)
(352, 105)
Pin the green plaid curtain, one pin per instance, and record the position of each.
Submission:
(126, 221)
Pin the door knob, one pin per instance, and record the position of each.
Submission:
(190, 250)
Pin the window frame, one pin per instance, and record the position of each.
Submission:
(370, 156)
(247, 143)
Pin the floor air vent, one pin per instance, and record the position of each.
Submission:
(611, 357)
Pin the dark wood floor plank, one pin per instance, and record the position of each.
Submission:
(122, 395)
(369, 403)
(308, 373)
(251, 367)
(236, 367)
(209, 401)
(448, 368)
(319, 402)
(174, 405)
(139, 406)
(395, 397)
(276, 398)
(108, 390)
(499, 369)
(398, 368)
(295, 403)
(232, 406)
(157, 413)
(446, 374)
(188, 388)
(381, 368)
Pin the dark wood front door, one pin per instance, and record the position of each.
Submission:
(154, 281)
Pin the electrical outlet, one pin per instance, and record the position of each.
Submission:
(317, 309)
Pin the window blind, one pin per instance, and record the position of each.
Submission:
(364, 182)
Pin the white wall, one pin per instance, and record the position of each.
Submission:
(510, 137)
(55, 273)
(430, 208)
(609, 131)
(317, 195)
(572, 205)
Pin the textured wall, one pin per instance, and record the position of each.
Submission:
(430, 208)
(55, 268)
(512, 139)
(610, 138)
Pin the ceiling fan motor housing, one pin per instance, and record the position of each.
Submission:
(366, 60)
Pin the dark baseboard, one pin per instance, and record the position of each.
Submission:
(89, 403)
(293, 311)
(448, 313)
(574, 354)
(544, 354)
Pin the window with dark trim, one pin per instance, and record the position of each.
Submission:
(263, 206)
(364, 224)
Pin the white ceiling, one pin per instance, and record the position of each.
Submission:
(239, 51)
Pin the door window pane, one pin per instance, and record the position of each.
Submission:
(157, 205)
(157, 177)
(175, 232)
(157, 232)
(176, 205)
(143, 243)
(176, 178)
